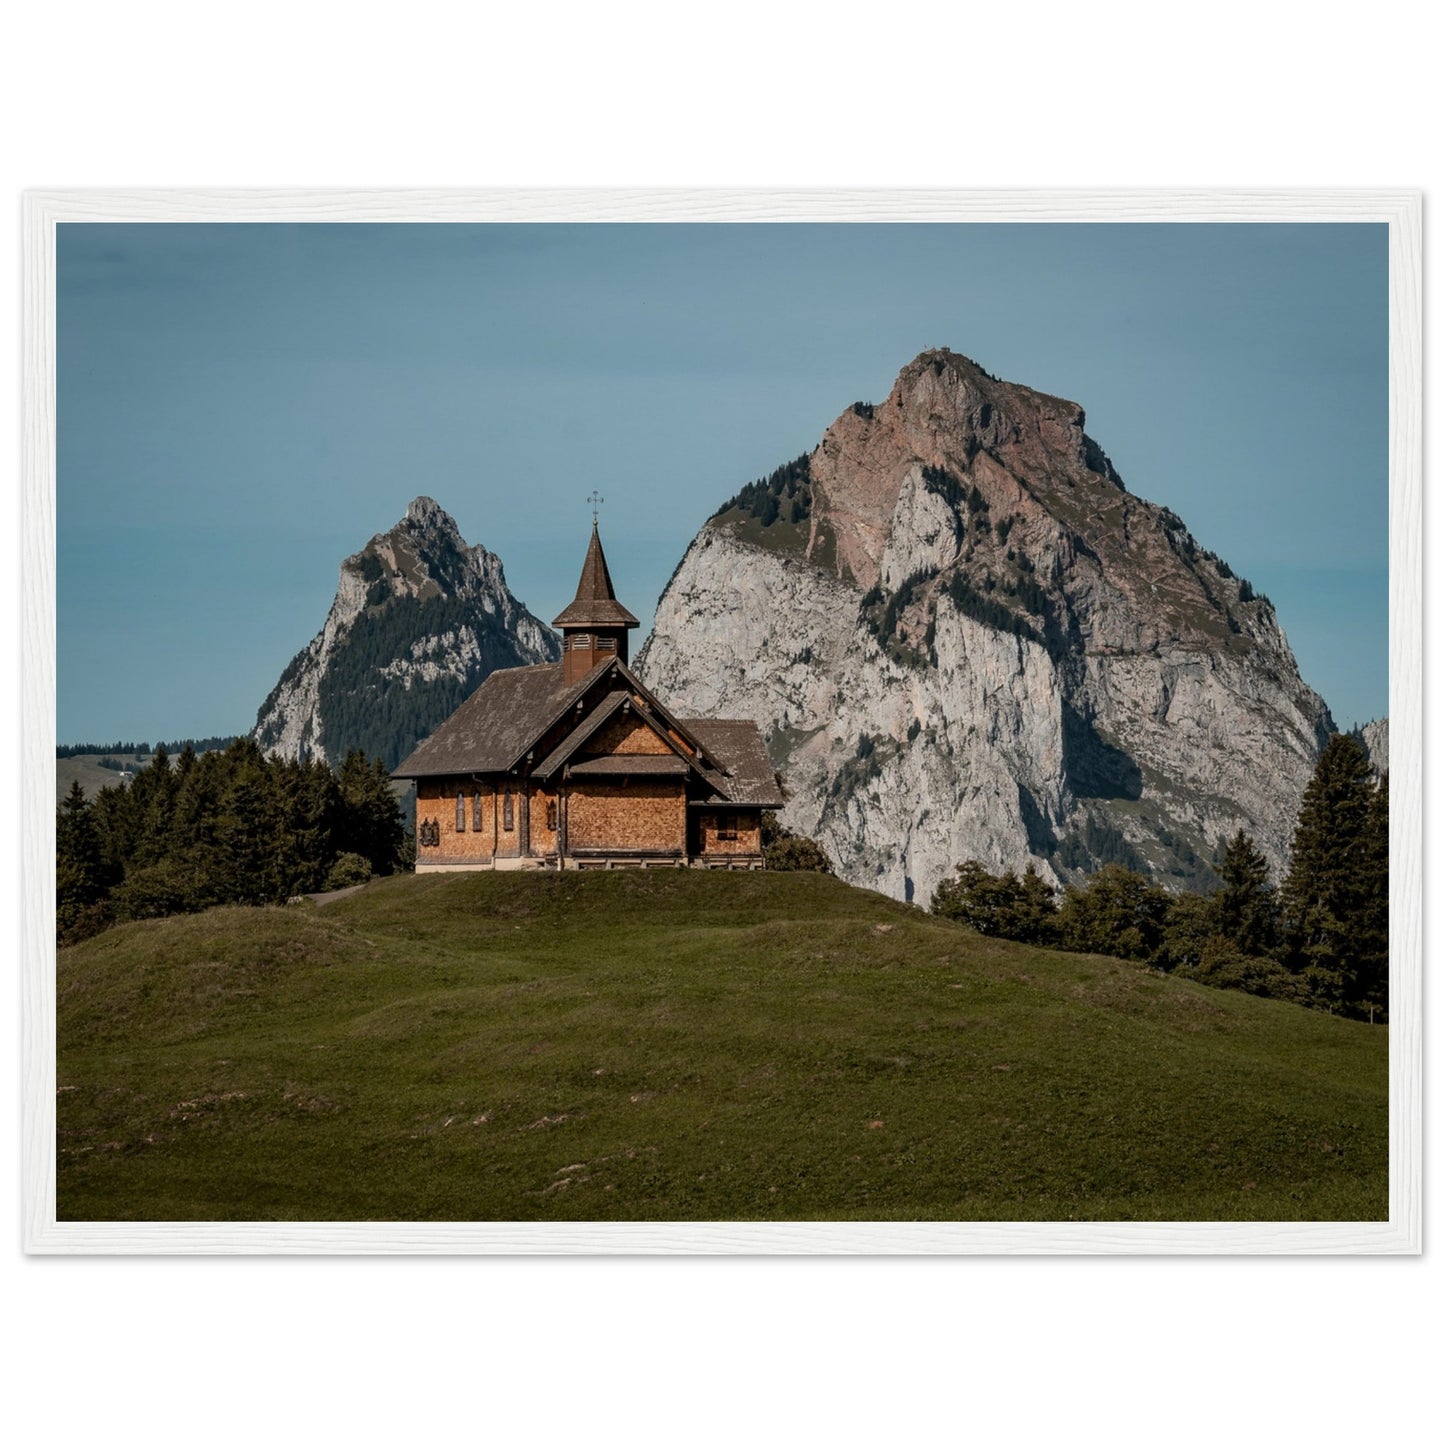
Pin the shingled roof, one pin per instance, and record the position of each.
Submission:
(493, 727)
(738, 745)
(513, 708)
(595, 604)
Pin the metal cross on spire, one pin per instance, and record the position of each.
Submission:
(596, 500)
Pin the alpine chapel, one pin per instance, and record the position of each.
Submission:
(575, 764)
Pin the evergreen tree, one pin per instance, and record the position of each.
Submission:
(976, 898)
(313, 804)
(1334, 876)
(152, 798)
(371, 823)
(115, 827)
(1191, 931)
(1372, 979)
(244, 834)
(1248, 912)
(1037, 910)
(1118, 912)
(76, 840)
(80, 872)
(999, 906)
(198, 801)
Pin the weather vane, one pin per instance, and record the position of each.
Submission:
(596, 499)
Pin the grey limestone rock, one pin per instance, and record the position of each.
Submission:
(964, 638)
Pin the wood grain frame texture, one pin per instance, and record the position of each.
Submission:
(1399, 209)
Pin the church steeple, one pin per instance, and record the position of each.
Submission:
(594, 624)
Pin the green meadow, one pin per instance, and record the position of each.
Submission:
(683, 1045)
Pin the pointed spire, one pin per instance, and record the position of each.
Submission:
(595, 604)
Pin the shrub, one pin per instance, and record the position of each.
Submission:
(1191, 930)
(170, 886)
(787, 852)
(348, 870)
(1005, 906)
(795, 854)
(1224, 967)
(1118, 912)
(74, 924)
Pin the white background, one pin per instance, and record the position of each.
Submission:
(750, 94)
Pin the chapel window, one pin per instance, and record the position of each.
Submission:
(552, 813)
(477, 811)
(461, 813)
(507, 822)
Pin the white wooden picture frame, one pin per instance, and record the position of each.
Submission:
(1400, 210)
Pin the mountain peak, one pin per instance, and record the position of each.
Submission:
(426, 520)
(424, 512)
(943, 358)
(419, 620)
(965, 638)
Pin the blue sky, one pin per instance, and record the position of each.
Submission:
(241, 406)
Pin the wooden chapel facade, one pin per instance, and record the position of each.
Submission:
(576, 764)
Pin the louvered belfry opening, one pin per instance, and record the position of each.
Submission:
(594, 625)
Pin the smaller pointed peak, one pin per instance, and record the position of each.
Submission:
(424, 512)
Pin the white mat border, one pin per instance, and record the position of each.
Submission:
(43, 210)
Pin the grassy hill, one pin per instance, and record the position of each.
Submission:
(683, 1045)
(85, 769)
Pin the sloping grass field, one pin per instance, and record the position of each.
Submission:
(85, 769)
(683, 1045)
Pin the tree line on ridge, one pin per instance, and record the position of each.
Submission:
(233, 826)
(1321, 939)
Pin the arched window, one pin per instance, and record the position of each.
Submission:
(461, 813)
(477, 811)
(552, 813)
(507, 822)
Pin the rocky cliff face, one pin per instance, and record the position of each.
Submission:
(420, 619)
(1376, 739)
(964, 638)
